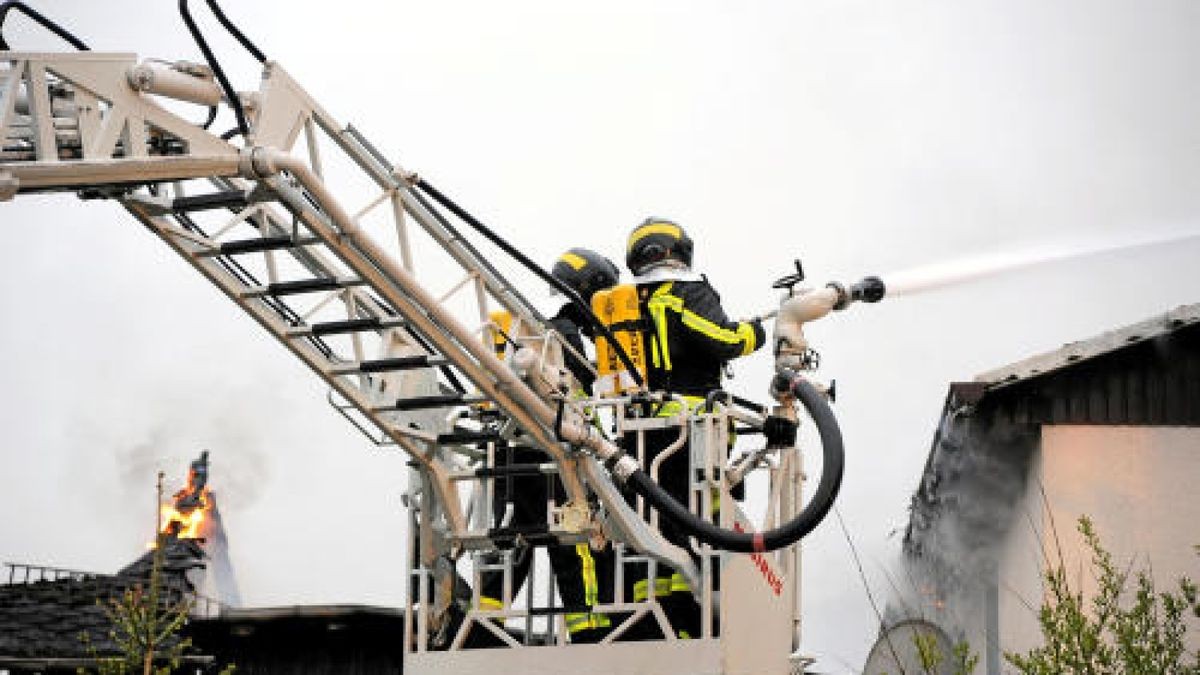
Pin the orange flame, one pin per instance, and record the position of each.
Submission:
(189, 522)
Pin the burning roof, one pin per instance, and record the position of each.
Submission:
(44, 611)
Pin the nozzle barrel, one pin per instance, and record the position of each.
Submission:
(870, 289)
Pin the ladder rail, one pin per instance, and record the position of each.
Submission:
(288, 93)
(357, 250)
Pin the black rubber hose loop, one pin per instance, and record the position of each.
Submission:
(237, 34)
(212, 117)
(49, 25)
(789, 533)
(558, 419)
(235, 101)
(533, 267)
(710, 401)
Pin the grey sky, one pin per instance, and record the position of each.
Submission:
(864, 137)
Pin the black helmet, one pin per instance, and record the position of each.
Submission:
(585, 272)
(656, 240)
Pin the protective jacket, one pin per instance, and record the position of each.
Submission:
(569, 321)
(690, 336)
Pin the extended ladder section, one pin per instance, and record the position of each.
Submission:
(332, 250)
(265, 227)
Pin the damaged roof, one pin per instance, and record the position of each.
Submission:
(1147, 374)
(44, 612)
(1081, 351)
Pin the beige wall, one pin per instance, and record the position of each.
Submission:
(1139, 486)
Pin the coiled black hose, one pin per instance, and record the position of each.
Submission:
(789, 533)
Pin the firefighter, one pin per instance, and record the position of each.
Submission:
(585, 272)
(583, 575)
(689, 340)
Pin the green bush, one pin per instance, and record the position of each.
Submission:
(1143, 634)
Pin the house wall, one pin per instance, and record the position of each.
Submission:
(1137, 484)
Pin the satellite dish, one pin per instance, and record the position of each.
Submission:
(898, 650)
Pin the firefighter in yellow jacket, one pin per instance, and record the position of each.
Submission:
(689, 340)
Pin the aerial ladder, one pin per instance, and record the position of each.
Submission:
(373, 278)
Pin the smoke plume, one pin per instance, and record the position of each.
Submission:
(965, 506)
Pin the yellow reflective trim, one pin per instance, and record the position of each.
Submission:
(661, 587)
(669, 409)
(709, 329)
(580, 621)
(648, 229)
(639, 590)
(588, 568)
(576, 262)
(673, 407)
(684, 635)
(677, 584)
(746, 332)
(657, 306)
(490, 603)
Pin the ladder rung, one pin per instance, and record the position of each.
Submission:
(386, 365)
(260, 244)
(515, 469)
(426, 402)
(216, 200)
(533, 535)
(461, 437)
(347, 326)
(301, 286)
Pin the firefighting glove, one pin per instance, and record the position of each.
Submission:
(780, 432)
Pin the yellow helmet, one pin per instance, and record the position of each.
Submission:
(656, 240)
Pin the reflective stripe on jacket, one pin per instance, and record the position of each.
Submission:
(691, 337)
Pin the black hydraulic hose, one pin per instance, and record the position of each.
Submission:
(234, 101)
(212, 117)
(237, 34)
(536, 269)
(756, 542)
(466, 244)
(43, 21)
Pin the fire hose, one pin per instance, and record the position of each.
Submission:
(787, 383)
(833, 464)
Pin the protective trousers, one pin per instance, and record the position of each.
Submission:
(583, 576)
(666, 585)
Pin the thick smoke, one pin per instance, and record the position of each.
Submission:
(966, 504)
(220, 582)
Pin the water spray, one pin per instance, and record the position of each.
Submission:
(965, 270)
(803, 304)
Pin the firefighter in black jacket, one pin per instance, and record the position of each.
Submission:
(689, 338)
(584, 576)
